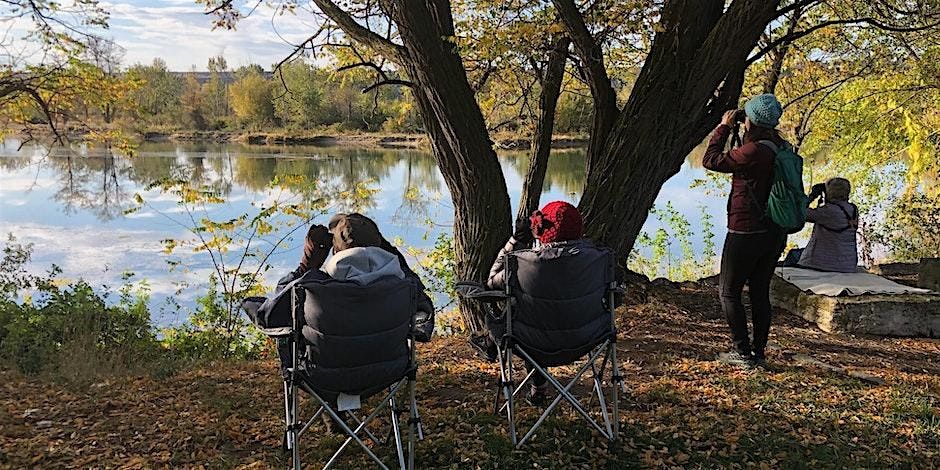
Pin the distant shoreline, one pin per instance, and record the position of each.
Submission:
(417, 141)
(412, 141)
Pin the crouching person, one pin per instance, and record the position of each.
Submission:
(560, 231)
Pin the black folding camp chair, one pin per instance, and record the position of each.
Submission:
(349, 342)
(556, 311)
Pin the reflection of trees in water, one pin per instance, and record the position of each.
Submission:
(91, 183)
(565, 171)
(14, 163)
(104, 183)
(420, 186)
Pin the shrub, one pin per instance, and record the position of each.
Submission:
(213, 333)
(70, 330)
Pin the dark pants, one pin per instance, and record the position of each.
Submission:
(750, 259)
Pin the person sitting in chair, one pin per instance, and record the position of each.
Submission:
(832, 246)
(559, 228)
(360, 254)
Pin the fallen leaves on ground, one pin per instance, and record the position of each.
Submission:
(860, 402)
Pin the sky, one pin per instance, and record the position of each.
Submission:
(181, 34)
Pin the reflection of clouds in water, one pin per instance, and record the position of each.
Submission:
(100, 257)
(89, 252)
(99, 250)
(16, 184)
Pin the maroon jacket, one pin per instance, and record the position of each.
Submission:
(751, 166)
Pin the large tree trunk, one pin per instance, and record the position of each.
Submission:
(459, 140)
(591, 53)
(694, 72)
(545, 127)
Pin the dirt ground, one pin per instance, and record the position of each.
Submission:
(825, 401)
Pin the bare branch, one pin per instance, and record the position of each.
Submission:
(360, 33)
(788, 38)
(393, 81)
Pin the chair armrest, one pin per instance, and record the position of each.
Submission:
(476, 291)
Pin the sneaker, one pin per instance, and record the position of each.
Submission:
(537, 394)
(484, 346)
(737, 359)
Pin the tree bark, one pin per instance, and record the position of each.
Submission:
(545, 127)
(459, 140)
(694, 72)
(591, 53)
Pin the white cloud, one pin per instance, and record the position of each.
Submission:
(179, 32)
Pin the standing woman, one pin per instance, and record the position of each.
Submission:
(753, 243)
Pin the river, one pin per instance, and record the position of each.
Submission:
(73, 206)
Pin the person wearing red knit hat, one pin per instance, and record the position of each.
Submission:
(558, 226)
(557, 222)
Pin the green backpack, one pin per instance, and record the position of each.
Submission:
(787, 203)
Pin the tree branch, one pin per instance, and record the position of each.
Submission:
(788, 38)
(368, 64)
(393, 81)
(360, 33)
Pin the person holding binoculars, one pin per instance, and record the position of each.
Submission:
(753, 243)
(833, 246)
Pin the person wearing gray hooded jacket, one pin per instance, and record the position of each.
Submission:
(360, 254)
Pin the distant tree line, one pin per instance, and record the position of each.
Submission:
(296, 96)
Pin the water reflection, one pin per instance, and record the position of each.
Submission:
(86, 194)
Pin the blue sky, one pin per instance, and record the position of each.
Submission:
(179, 32)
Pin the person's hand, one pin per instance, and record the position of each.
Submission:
(818, 189)
(728, 118)
(320, 235)
(317, 245)
(523, 234)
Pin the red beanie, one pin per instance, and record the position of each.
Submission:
(558, 221)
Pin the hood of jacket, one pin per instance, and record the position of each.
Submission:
(363, 265)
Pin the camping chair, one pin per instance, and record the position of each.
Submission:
(349, 342)
(557, 310)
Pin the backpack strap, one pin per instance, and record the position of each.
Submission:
(770, 144)
(851, 221)
(762, 208)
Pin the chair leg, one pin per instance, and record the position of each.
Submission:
(518, 388)
(414, 423)
(393, 408)
(563, 392)
(616, 383)
(353, 437)
(505, 371)
(365, 429)
(562, 395)
(603, 405)
(293, 435)
(286, 444)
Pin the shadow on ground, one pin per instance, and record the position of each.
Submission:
(683, 408)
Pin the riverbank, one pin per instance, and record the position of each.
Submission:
(683, 409)
(372, 140)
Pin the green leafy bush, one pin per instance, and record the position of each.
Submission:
(69, 329)
(212, 332)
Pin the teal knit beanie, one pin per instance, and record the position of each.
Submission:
(764, 110)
